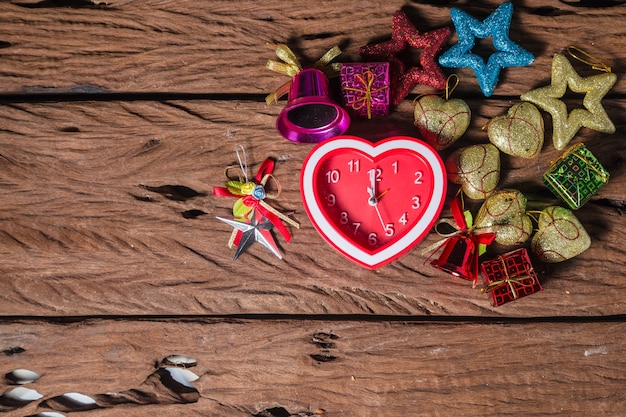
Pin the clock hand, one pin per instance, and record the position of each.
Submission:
(382, 194)
(371, 190)
(373, 200)
(382, 222)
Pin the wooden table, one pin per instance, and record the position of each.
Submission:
(118, 118)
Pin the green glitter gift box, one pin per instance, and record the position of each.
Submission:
(576, 176)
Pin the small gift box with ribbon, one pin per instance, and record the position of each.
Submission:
(365, 89)
(576, 176)
(509, 277)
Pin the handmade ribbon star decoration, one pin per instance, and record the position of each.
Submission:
(251, 197)
(565, 125)
(497, 26)
(403, 76)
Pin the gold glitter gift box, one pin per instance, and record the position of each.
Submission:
(576, 176)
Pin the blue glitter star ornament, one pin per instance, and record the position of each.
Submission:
(496, 26)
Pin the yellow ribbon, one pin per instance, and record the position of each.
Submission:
(366, 91)
(291, 66)
(510, 281)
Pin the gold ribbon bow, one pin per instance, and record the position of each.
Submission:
(510, 281)
(291, 66)
(366, 98)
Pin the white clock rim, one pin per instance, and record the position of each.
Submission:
(373, 150)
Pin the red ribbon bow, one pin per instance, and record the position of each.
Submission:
(465, 232)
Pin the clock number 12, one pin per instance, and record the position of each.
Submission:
(377, 172)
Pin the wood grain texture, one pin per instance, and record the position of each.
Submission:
(107, 221)
(83, 234)
(370, 369)
(219, 48)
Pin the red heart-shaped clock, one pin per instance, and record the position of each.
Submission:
(373, 202)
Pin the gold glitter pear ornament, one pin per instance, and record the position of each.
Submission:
(504, 213)
(476, 168)
(560, 236)
(519, 132)
(593, 116)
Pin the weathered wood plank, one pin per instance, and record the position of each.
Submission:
(85, 229)
(218, 47)
(81, 235)
(333, 368)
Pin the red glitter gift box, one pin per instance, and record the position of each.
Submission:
(365, 89)
(509, 277)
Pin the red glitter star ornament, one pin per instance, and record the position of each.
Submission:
(404, 76)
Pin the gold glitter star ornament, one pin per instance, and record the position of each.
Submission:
(593, 116)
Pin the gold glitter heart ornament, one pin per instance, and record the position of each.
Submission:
(504, 213)
(560, 236)
(441, 122)
(476, 168)
(519, 132)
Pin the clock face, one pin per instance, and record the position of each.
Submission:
(373, 202)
